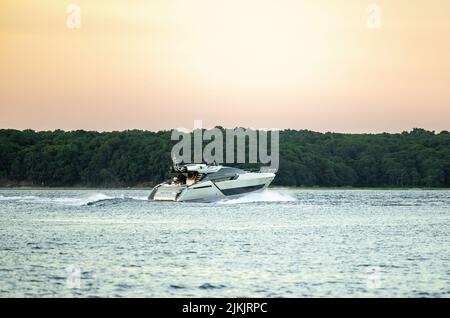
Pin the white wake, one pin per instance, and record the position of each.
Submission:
(73, 201)
(264, 196)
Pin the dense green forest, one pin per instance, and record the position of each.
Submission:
(418, 158)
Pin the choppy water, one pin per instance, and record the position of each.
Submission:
(280, 243)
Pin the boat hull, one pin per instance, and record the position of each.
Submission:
(210, 191)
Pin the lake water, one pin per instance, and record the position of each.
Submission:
(279, 243)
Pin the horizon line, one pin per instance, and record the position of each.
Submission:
(222, 127)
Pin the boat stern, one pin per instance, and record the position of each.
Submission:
(165, 192)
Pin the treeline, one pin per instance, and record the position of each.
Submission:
(418, 158)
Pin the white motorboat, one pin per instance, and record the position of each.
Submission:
(207, 183)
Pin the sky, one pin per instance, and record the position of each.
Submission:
(321, 65)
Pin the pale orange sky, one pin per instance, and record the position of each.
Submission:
(160, 64)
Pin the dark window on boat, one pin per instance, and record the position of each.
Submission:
(225, 173)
